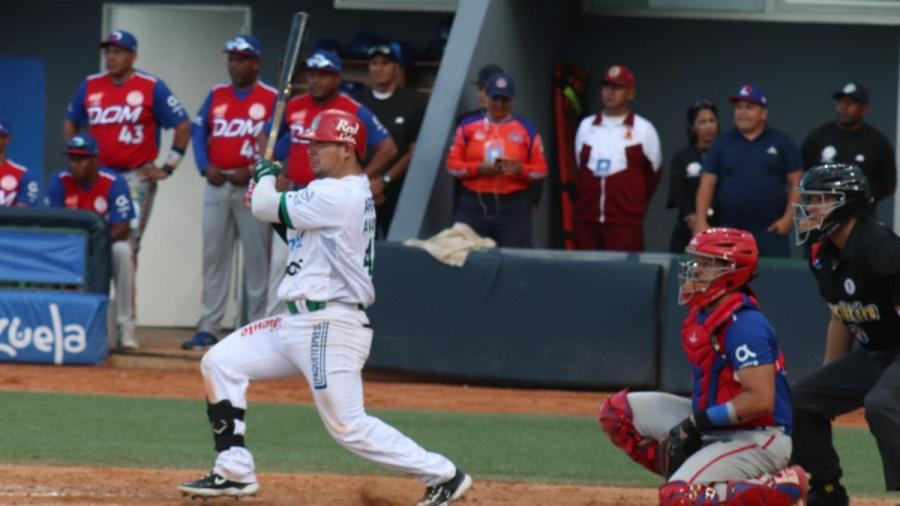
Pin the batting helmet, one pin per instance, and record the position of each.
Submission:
(830, 194)
(723, 260)
(335, 125)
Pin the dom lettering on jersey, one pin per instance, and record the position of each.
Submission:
(52, 328)
(236, 127)
(113, 114)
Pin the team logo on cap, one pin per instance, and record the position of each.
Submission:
(257, 111)
(614, 71)
(115, 36)
(100, 205)
(745, 91)
(501, 83)
(849, 88)
(78, 141)
(135, 98)
(346, 130)
(9, 183)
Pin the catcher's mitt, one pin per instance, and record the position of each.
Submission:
(682, 441)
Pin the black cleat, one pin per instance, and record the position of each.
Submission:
(447, 492)
(830, 494)
(216, 485)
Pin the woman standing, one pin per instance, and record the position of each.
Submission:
(703, 126)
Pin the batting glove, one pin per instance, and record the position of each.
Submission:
(265, 168)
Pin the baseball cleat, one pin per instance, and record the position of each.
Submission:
(447, 492)
(201, 341)
(216, 485)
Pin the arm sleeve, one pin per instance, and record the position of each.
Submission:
(166, 107)
(29, 193)
(121, 208)
(535, 168)
(76, 112)
(375, 130)
(56, 194)
(265, 202)
(712, 162)
(750, 341)
(457, 164)
(199, 135)
(792, 161)
(322, 204)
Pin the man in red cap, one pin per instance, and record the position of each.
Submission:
(619, 158)
(325, 334)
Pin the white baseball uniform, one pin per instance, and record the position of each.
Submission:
(325, 336)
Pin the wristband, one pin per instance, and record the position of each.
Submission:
(174, 157)
(721, 415)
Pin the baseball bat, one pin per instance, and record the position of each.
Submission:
(291, 54)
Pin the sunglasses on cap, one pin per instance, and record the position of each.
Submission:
(238, 45)
(702, 104)
(318, 61)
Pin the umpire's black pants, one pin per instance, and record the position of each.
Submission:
(860, 378)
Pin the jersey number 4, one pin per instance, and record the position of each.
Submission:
(369, 259)
(131, 134)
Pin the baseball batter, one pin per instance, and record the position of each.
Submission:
(18, 186)
(85, 185)
(325, 336)
(224, 133)
(729, 444)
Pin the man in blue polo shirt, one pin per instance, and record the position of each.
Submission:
(749, 176)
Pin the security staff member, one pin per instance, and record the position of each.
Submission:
(854, 260)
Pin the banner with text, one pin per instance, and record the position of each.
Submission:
(52, 327)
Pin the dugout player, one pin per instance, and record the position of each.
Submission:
(856, 261)
(18, 186)
(325, 336)
(224, 134)
(400, 110)
(323, 79)
(124, 109)
(730, 444)
(85, 185)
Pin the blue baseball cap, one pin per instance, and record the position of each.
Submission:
(501, 85)
(82, 144)
(244, 44)
(751, 93)
(4, 127)
(122, 39)
(324, 60)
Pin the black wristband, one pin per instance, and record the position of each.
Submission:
(702, 421)
(167, 169)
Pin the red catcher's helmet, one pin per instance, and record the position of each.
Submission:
(723, 260)
(335, 125)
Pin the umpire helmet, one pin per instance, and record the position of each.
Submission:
(830, 194)
(334, 125)
(722, 261)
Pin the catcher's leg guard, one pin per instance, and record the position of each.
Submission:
(227, 424)
(616, 420)
(679, 493)
(784, 488)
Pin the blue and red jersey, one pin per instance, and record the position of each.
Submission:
(226, 127)
(720, 343)
(125, 118)
(479, 139)
(109, 196)
(298, 116)
(18, 186)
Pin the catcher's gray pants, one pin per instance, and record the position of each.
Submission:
(725, 456)
(224, 220)
(278, 262)
(123, 282)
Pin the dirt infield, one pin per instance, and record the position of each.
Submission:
(57, 485)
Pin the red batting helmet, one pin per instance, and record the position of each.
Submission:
(734, 257)
(335, 125)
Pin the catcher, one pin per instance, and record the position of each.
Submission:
(731, 443)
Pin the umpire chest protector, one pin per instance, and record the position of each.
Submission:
(704, 344)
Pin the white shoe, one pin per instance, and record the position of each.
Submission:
(128, 342)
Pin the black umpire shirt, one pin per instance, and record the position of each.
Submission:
(862, 283)
(868, 148)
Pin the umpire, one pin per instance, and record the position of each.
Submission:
(855, 261)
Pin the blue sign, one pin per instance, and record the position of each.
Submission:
(43, 256)
(52, 327)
